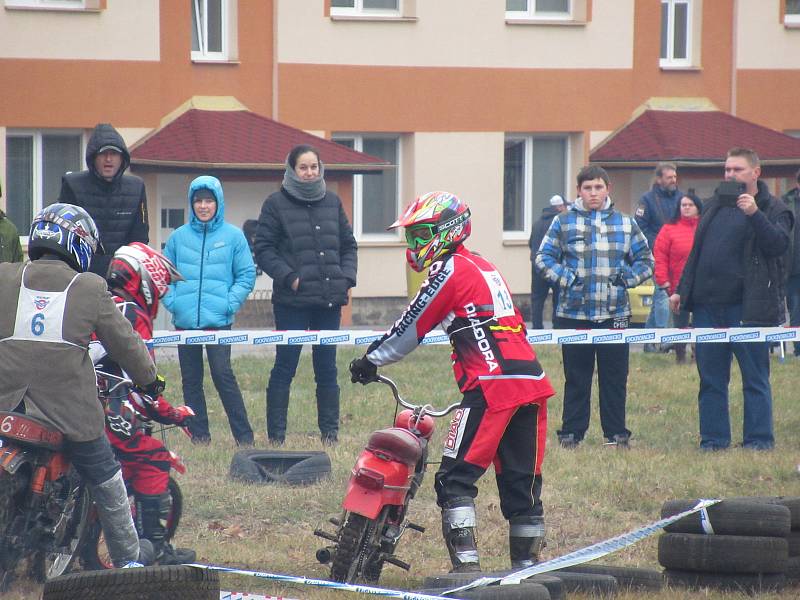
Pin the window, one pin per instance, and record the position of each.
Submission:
(535, 168)
(172, 218)
(35, 162)
(676, 33)
(791, 16)
(210, 30)
(375, 196)
(366, 8)
(539, 9)
(52, 4)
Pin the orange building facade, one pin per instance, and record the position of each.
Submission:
(498, 101)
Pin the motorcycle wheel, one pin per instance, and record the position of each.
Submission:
(95, 556)
(8, 508)
(351, 547)
(59, 557)
(373, 565)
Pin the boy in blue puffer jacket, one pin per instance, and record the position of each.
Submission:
(218, 270)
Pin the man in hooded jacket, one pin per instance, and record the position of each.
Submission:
(117, 202)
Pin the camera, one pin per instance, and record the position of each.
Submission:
(728, 192)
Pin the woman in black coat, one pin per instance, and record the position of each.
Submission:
(304, 242)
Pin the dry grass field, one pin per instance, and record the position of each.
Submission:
(590, 494)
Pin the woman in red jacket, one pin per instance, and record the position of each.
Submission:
(672, 247)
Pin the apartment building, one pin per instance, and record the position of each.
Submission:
(498, 101)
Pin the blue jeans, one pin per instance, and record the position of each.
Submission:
(219, 362)
(323, 359)
(714, 366)
(793, 304)
(659, 312)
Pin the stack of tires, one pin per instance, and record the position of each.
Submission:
(739, 544)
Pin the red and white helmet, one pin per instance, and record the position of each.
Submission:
(436, 223)
(143, 273)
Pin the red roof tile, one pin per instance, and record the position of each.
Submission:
(692, 137)
(239, 139)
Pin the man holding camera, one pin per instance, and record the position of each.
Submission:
(734, 277)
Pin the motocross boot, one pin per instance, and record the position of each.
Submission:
(458, 528)
(525, 540)
(151, 509)
(111, 500)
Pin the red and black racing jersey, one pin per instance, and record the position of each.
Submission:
(466, 294)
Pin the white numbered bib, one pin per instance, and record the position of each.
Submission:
(501, 297)
(40, 315)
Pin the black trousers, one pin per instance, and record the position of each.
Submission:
(612, 376)
(93, 460)
(540, 287)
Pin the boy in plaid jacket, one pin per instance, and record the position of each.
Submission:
(594, 253)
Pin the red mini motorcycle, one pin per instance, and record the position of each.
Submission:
(385, 478)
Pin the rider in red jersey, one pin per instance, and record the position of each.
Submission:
(502, 419)
(138, 277)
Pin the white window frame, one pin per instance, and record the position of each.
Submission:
(358, 10)
(791, 19)
(528, 216)
(38, 157)
(669, 60)
(202, 34)
(358, 186)
(48, 4)
(540, 15)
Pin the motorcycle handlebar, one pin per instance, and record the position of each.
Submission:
(428, 409)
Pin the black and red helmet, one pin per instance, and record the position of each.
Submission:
(143, 273)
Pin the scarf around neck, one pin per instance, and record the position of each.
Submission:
(307, 191)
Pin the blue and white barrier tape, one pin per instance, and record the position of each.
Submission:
(357, 337)
(587, 554)
(247, 596)
(573, 558)
(350, 587)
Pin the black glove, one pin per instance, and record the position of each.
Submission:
(155, 388)
(363, 371)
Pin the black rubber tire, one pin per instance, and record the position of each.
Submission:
(308, 471)
(553, 584)
(94, 556)
(527, 591)
(793, 540)
(790, 502)
(271, 466)
(793, 568)
(722, 553)
(748, 584)
(731, 517)
(587, 583)
(633, 578)
(145, 583)
(347, 556)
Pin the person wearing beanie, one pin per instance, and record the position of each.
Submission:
(304, 242)
(117, 202)
(541, 287)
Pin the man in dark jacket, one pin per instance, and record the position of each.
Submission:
(540, 286)
(734, 276)
(117, 202)
(792, 200)
(655, 208)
